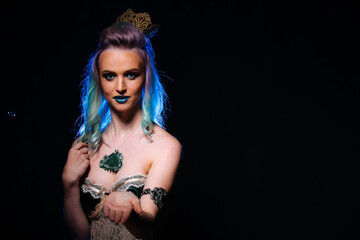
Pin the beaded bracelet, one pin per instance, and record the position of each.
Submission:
(157, 194)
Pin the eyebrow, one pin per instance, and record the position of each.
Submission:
(130, 70)
(103, 71)
(133, 69)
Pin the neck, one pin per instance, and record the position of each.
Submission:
(124, 123)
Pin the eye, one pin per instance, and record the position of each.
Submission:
(132, 75)
(109, 76)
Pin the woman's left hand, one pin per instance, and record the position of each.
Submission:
(119, 205)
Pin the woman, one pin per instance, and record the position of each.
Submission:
(121, 167)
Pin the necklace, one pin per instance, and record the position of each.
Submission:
(114, 161)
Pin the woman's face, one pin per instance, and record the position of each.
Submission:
(122, 77)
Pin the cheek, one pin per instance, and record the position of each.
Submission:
(106, 87)
(138, 86)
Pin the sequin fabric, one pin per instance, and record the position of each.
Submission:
(101, 227)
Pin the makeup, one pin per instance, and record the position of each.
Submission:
(121, 99)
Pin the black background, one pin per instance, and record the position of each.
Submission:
(264, 99)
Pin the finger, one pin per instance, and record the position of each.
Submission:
(85, 163)
(75, 142)
(118, 216)
(80, 145)
(84, 150)
(85, 156)
(125, 216)
(106, 211)
(112, 215)
(136, 206)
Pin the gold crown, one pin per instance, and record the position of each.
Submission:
(142, 21)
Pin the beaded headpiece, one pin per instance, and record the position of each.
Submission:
(142, 21)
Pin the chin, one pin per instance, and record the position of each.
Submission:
(124, 107)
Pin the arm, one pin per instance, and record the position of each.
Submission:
(161, 174)
(138, 215)
(75, 167)
(74, 214)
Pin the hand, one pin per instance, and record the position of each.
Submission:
(119, 205)
(77, 162)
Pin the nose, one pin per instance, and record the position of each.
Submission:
(121, 86)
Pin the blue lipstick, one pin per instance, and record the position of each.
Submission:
(121, 99)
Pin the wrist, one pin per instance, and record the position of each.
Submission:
(69, 182)
(69, 178)
(71, 191)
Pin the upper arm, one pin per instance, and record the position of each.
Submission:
(162, 171)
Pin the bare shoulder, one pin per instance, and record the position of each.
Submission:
(165, 144)
(162, 137)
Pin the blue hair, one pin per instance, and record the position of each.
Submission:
(95, 110)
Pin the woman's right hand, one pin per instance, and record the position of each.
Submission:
(119, 205)
(77, 162)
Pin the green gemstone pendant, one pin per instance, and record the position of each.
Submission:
(112, 162)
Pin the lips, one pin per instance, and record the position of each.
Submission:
(121, 99)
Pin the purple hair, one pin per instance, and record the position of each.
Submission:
(95, 108)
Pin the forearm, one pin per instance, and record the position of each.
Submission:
(74, 214)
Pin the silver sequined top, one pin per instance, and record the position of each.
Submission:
(101, 227)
